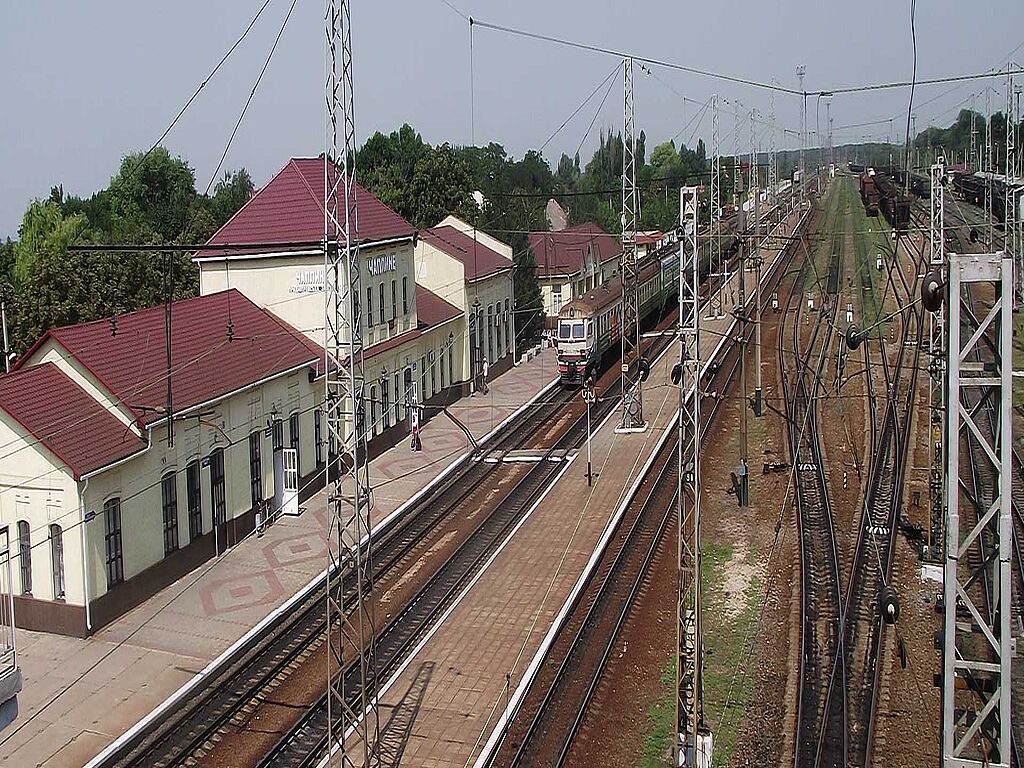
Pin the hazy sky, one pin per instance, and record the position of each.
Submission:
(86, 82)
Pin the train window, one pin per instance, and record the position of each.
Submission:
(577, 331)
(564, 330)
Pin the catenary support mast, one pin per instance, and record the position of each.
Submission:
(719, 269)
(632, 388)
(352, 719)
(693, 742)
(977, 648)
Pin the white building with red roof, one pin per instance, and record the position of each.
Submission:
(572, 262)
(472, 271)
(105, 509)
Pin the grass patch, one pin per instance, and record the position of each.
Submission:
(661, 721)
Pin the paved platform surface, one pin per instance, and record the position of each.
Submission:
(79, 695)
(441, 710)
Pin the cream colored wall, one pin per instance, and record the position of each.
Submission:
(441, 273)
(51, 352)
(225, 424)
(291, 287)
(36, 487)
(492, 291)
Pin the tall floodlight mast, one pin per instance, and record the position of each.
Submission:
(978, 645)
(716, 298)
(800, 72)
(693, 740)
(353, 725)
(773, 170)
(632, 365)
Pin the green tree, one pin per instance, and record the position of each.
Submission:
(152, 197)
(230, 194)
(441, 185)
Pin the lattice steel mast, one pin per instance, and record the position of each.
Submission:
(977, 651)
(632, 387)
(936, 365)
(716, 298)
(351, 631)
(1010, 240)
(693, 741)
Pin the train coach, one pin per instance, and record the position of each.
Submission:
(590, 327)
(869, 193)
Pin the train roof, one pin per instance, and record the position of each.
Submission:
(608, 293)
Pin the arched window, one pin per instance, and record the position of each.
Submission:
(112, 542)
(57, 560)
(169, 492)
(25, 556)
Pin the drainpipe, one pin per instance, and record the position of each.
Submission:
(85, 568)
(512, 312)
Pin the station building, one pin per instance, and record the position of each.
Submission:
(105, 508)
(108, 501)
(572, 262)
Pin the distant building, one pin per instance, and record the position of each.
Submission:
(572, 262)
(557, 218)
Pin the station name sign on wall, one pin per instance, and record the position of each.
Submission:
(311, 280)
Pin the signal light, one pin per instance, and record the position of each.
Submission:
(853, 336)
(677, 373)
(931, 291)
(644, 369)
(890, 604)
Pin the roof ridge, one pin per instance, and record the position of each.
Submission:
(255, 194)
(321, 204)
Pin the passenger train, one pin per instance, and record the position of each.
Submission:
(590, 326)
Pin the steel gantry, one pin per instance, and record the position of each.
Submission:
(716, 299)
(977, 650)
(353, 725)
(693, 742)
(632, 365)
(936, 363)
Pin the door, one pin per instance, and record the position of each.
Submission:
(290, 490)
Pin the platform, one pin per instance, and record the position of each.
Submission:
(443, 706)
(79, 695)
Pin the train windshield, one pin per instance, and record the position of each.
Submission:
(577, 331)
(564, 331)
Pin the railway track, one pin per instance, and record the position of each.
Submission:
(821, 722)
(862, 623)
(560, 697)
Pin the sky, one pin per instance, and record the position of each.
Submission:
(83, 84)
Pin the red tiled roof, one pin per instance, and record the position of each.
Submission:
(290, 209)
(65, 419)
(478, 260)
(432, 310)
(205, 365)
(561, 253)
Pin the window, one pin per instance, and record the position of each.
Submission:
(293, 437)
(433, 377)
(556, 299)
(564, 330)
(497, 330)
(277, 435)
(394, 300)
(398, 400)
(194, 499)
(169, 491)
(57, 561)
(373, 412)
(318, 436)
(508, 326)
(255, 469)
(423, 379)
(451, 379)
(440, 365)
(112, 542)
(405, 295)
(385, 402)
(578, 330)
(381, 310)
(25, 556)
(217, 487)
(490, 333)
(369, 306)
